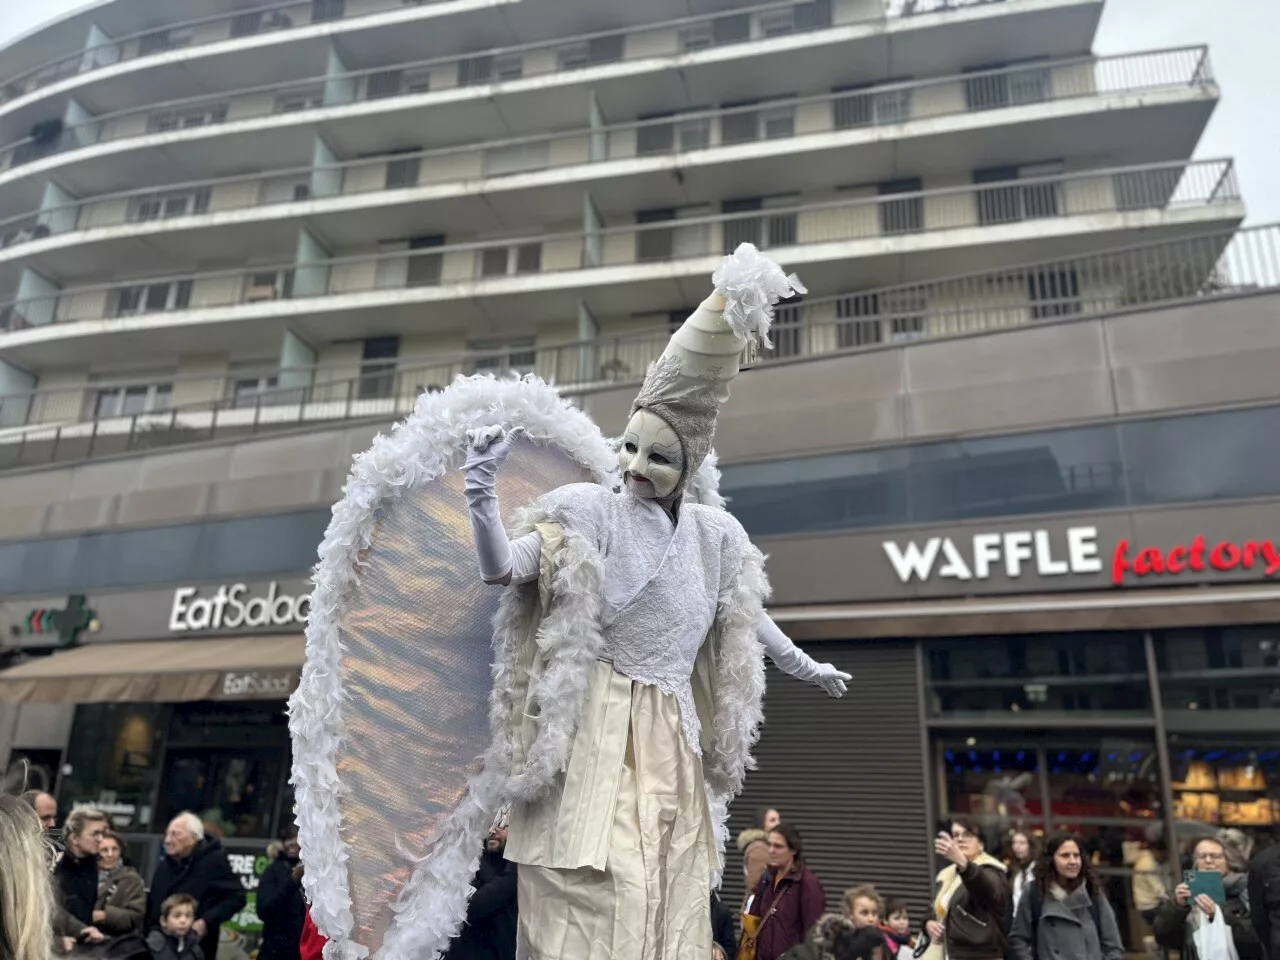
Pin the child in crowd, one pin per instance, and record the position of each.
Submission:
(862, 906)
(899, 943)
(175, 940)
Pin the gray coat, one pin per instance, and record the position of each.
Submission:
(1066, 930)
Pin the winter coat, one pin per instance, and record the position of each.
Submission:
(312, 943)
(205, 875)
(76, 881)
(165, 947)
(1174, 931)
(724, 928)
(490, 929)
(801, 902)
(977, 917)
(1066, 929)
(1264, 898)
(282, 910)
(123, 898)
(753, 844)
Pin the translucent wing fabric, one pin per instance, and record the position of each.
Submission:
(394, 759)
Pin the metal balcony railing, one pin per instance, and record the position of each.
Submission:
(295, 14)
(104, 418)
(680, 136)
(669, 39)
(497, 263)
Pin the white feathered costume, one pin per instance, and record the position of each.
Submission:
(630, 658)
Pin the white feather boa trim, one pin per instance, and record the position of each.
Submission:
(430, 442)
(751, 284)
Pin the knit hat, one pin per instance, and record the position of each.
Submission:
(689, 382)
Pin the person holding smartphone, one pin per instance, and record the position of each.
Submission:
(972, 905)
(1178, 921)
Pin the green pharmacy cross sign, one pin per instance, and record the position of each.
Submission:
(67, 624)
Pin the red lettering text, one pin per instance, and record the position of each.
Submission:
(1148, 561)
(1119, 562)
(1177, 559)
(1197, 554)
(1272, 557)
(1225, 556)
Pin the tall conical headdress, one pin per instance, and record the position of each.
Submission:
(689, 382)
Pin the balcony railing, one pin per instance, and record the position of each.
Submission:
(1125, 190)
(670, 39)
(284, 16)
(103, 419)
(680, 136)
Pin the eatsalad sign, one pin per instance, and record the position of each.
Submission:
(1076, 552)
(236, 607)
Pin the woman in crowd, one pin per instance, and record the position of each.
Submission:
(122, 896)
(1021, 863)
(1064, 914)
(1183, 923)
(25, 894)
(789, 899)
(972, 904)
(76, 876)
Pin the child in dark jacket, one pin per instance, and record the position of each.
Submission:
(175, 940)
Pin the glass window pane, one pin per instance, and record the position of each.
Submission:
(1213, 456)
(111, 761)
(1043, 674)
(1226, 781)
(135, 400)
(993, 778)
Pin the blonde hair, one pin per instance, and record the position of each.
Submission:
(25, 892)
(80, 818)
(864, 892)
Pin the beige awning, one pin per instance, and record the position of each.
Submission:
(162, 671)
(1200, 606)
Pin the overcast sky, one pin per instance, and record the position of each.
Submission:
(1242, 42)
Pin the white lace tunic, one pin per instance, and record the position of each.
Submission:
(662, 582)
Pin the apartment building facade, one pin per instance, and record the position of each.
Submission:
(236, 240)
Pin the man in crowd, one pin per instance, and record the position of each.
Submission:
(195, 864)
(45, 806)
(490, 930)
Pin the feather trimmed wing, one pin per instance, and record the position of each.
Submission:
(397, 772)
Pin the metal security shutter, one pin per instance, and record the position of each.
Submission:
(846, 773)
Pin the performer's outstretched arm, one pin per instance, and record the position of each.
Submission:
(794, 661)
(502, 561)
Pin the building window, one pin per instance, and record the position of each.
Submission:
(113, 759)
(1010, 203)
(696, 36)
(592, 52)
(788, 330)
(153, 298)
(378, 368)
(384, 83)
(252, 391)
(126, 401)
(269, 285)
(739, 125)
(160, 40)
(693, 133)
(778, 23)
(512, 259)
(517, 356)
(295, 101)
(159, 206)
(778, 123)
(403, 173)
(905, 215)
(322, 10)
(165, 121)
(1005, 88)
(1054, 292)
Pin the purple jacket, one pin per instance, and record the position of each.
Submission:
(801, 901)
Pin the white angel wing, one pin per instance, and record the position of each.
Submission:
(396, 771)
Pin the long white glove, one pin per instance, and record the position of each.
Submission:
(501, 560)
(794, 661)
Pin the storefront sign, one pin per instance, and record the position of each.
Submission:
(1014, 551)
(242, 934)
(233, 607)
(1197, 556)
(1075, 551)
(66, 624)
(257, 684)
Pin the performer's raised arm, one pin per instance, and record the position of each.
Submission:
(502, 561)
(794, 661)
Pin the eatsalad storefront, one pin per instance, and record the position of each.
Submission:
(1116, 675)
(171, 699)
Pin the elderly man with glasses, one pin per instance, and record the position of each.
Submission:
(1181, 923)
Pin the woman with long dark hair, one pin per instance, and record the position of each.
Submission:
(789, 899)
(1064, 913)
(1024, 850)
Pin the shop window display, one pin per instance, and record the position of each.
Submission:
(112, 759)
(1068, 674)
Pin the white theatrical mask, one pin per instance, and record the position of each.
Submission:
(650, 457)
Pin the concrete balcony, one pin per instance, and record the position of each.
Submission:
(860, 240)
(1136, 108)
(105, 417)
(491, 93)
